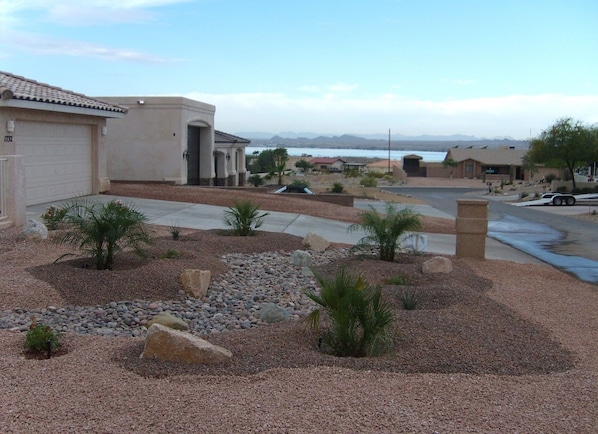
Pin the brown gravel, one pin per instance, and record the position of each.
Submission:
(495, 347)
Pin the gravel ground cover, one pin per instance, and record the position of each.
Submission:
(495, 347)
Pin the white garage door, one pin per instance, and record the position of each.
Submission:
(58, 160)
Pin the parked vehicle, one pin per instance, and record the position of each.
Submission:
(559, 199)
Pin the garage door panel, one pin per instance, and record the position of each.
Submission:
(58, 160)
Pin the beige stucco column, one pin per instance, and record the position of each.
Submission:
(15, 195)
(472, 227)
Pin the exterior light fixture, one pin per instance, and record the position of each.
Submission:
(140, 102)
(10, 126)
(104, 130)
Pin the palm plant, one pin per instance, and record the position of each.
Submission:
(104, 230)
(357, 317)
(383, 230)
(244, 217)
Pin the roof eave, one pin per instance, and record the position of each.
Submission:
(36, 105)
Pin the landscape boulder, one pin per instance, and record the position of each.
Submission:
(437, 264)
(315, 242)
(301, 258)
(272, 312)
(170, 345)
(168, 320)
(35, 230)
(196, 282)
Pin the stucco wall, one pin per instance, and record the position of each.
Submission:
(148, 143)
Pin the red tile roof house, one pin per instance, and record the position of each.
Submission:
(326, 164)
(53, 146)
(172, 139)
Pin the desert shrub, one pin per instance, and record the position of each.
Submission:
(300, 183)
(40, 336)
(409, 299)
(368, 181)
(103, 231)
(524, 194)
(170, 254)
(357, 319)
(401, 279)
(175, 232)
(337, 187)
(376, 175)
(256, 180)
(383, 230)
(550, 177)
(351, 172)
(53, 217)
(244, 217)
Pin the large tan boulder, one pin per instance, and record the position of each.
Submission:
(170, 345)
(437, 264)
(168, 320)
(196, 282)
(315, 242)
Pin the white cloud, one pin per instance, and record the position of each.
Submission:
(46, 45)
(513, 115)
(343, 87)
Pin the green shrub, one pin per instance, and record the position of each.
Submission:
(376, 175)
(383, 230)
(105, 230)
(256, 180)
(300, 183)
(524, 194)
(401, 279)
(39, 336)
(351, 172)
(244, 217)
(368, 181)
(550, 177)
(170, 254)
(54, 217)
(357, 319)
(409, 299)
(337, 187)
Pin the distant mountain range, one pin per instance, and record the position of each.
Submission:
(378, 141)
(394, 137)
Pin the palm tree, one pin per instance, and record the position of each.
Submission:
(383, 230)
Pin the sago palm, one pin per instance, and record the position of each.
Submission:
(244, 217)
(383, 230)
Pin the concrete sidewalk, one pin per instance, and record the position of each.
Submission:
(199, 216)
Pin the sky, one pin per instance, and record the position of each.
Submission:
(492, 68)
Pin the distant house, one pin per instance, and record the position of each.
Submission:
(54, 139)
(490, 163)
(326, 164)
(383, 166)
(172, 139)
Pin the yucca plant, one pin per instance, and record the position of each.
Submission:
(383, 230)
(104, 230)
(356, 317)
(244, 217)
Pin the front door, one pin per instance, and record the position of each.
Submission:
(193, 155)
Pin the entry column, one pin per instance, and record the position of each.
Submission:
(472, 227)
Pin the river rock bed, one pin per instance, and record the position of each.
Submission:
(233, 301)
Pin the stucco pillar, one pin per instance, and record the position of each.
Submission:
(15, 189)
(472, 227)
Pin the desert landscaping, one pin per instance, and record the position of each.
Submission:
(494, 346)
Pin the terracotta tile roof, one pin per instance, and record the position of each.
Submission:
(221, 137)
(325, 160)
(498, 156)
(21, 88)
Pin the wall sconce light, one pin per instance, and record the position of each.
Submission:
(10, 126)
(140, 102)
(104, 130)
(185, 154)
(227, 157)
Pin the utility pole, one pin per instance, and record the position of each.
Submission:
(388, 171)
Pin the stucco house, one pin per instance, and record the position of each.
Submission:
(490, 163)
(172, 139)
(326, 164)
(53, 147)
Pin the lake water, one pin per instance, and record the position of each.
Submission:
(428, 156)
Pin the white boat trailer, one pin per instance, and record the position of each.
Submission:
(560, 199)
